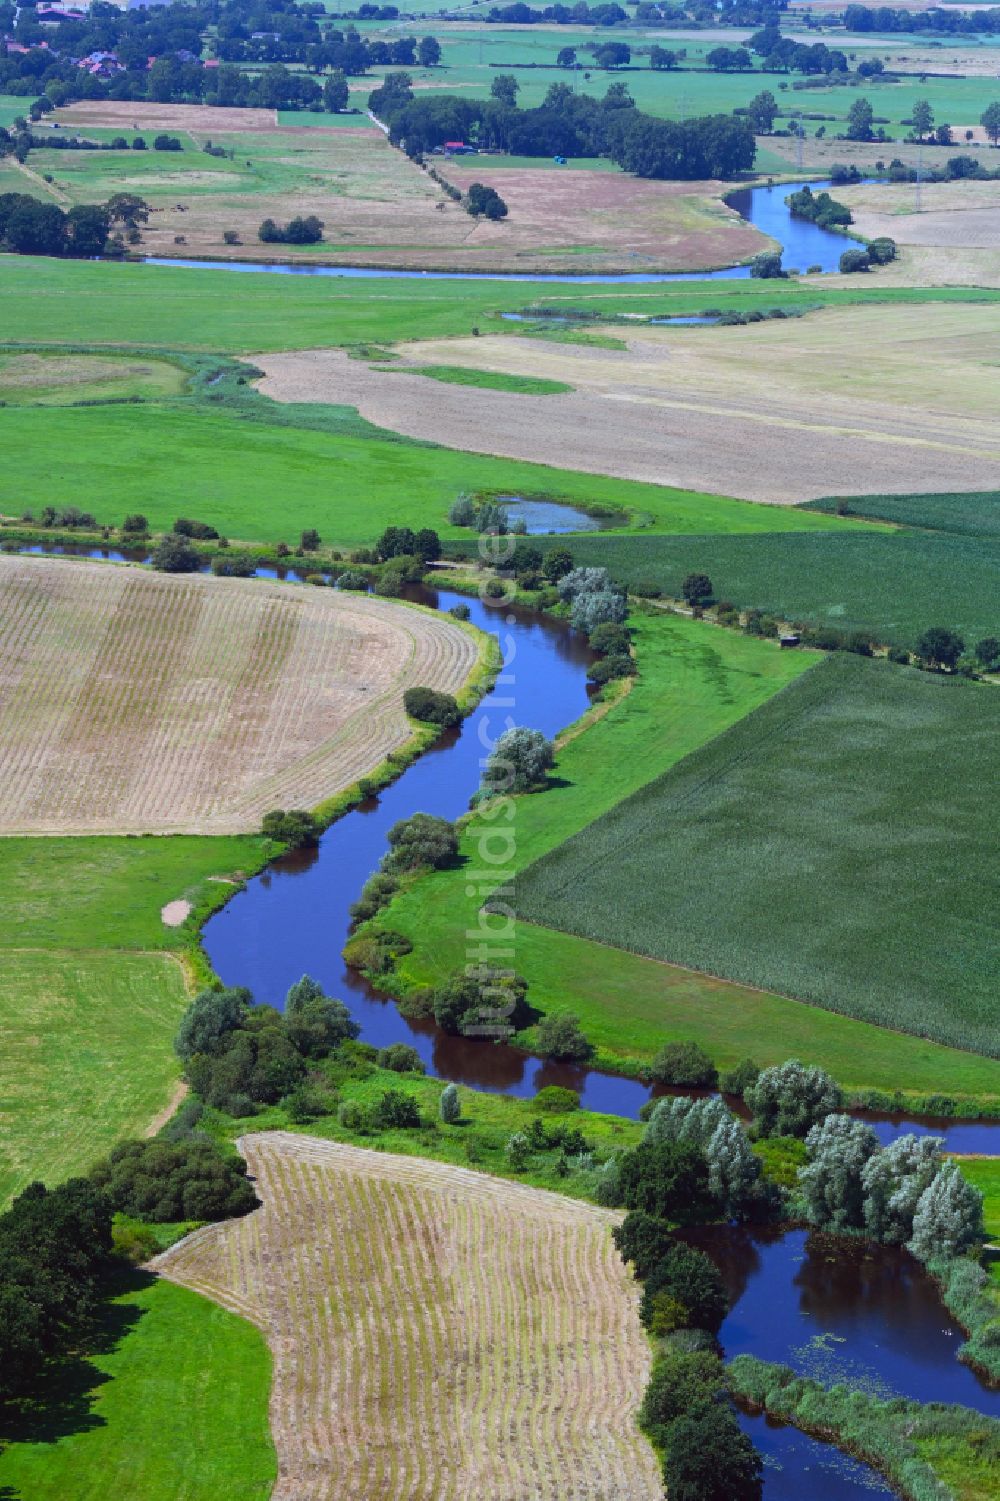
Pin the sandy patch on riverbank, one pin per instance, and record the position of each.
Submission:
(779, 411)
(174, 913)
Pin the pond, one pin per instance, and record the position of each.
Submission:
(839, 1309)
(764, 207)
(553, 517)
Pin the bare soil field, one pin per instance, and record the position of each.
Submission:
(133, 701)
(776, 411)
(953, 215)
(437, 1333)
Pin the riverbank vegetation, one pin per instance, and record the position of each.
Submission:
(692, 681)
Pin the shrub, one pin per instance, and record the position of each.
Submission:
(554, 1099)
(295, 827)
(708, 1457)
(683, 1063)
(679, 1383)
(237, 565)
(518, 762)
(767, 265)
(307, 1103)
(518, 1151)
(691, 1280)
(184, 1180)
(882, 250)
(615, 640)
(351, 1116)
(488, 1002)
(460, 612)
(610, 670)
(462, 511)
(853, 261)
(209, 1021)
(598, 607)
(789, 1098)
(739, 1079)
(560, 1037)
(166, 143)
(400, 1058)
(431, 707)
(352, 579)
(395, 1110)
(298, 231)
(420, 841)
(666, 1179)
(316, 1024)
(697, 589)
(643, 1240)
(135, 523)
(449, 1105)
(485, 202)
(201, 531)
(174, 554)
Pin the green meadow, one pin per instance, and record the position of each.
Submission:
(837, 845)
(266, 480)
(168, 1403)
(695, 681)
(92, 986)
(58, 302)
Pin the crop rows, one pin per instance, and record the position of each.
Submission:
(436, 1333)
(134, 702)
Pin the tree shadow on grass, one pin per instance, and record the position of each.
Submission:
(62, 1401)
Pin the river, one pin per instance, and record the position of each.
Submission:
(804, 244)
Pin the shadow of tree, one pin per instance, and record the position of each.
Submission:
(61, 1403)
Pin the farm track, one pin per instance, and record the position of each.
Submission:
(437, 1333)
(136, 702)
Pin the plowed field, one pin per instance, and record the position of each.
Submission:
(437, 1333)
(133, 701)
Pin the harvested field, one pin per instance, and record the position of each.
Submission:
(115, 114)
(780, 411)
(955, 215)
(142, 702)
(436, 1333)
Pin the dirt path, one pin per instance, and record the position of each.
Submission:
(180, 1094)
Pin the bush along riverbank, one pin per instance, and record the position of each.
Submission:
(929, 1452)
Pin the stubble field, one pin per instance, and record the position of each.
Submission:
(140, 702)
(436, 1333)
(781, 411)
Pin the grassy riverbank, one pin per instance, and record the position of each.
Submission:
(695, 681)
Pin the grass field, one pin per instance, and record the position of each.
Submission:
(169, 1405)
(984, 1172)
(694, 681)
(836, 846)
(241, 695)
(90, 990)
(87, 1055)
(430, 1327)
(229, 470)
(892, 585)
(522, 385)
(61, 380)
(51, 301)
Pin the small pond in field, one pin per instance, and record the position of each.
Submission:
(548, 517)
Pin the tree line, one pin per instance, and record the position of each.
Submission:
(566, 124)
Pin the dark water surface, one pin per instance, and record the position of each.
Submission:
(800, 1468)
(837, 1309)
